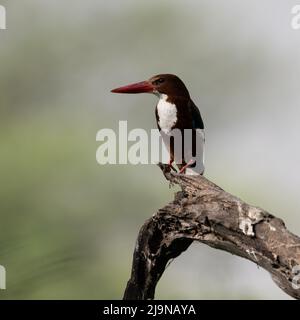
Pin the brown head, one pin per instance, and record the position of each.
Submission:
(168, 84)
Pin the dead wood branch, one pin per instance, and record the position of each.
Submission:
(204, 212)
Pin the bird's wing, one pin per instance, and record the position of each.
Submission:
(157, 118)
(197, 119)
(199, 142)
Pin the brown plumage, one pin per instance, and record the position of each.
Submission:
(175, 110)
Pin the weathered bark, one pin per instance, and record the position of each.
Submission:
(204, 212)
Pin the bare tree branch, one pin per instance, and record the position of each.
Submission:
(204, 212)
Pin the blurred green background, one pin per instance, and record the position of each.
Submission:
(68, 225)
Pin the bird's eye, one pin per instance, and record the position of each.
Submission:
(159, 81)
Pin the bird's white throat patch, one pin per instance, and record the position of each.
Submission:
(167, 113)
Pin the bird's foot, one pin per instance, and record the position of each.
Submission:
(191, 162)
(171, 166)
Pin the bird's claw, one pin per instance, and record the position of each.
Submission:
(171, 166)
(182, 170)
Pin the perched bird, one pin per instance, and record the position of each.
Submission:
(175, 110)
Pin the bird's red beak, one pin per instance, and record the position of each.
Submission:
(140, 87)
